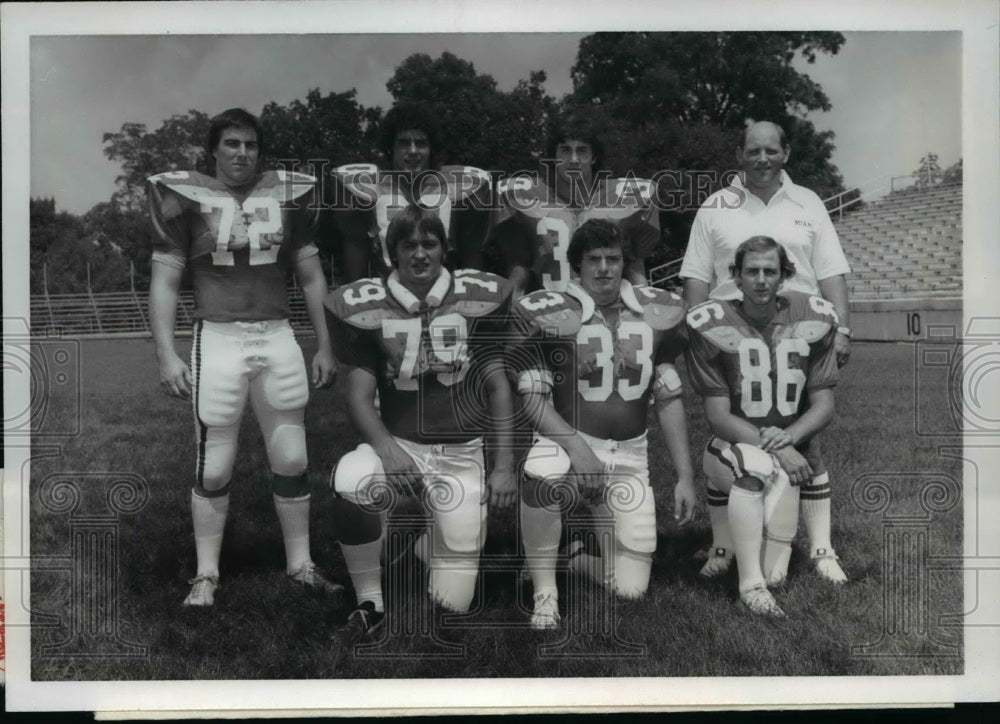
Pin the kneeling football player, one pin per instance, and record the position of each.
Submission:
(751, 360)
(604, 350)
(429, 343)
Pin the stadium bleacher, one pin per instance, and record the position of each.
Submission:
(905, 252)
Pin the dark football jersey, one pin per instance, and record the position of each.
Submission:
(239, 243)
(763, 369)
(379, 196)
(602, 360)
(534, 226)
(428, 360)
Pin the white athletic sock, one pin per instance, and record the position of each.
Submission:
(209, 518)
(540, 529)
(718, 514)
(746, 520)
(781, 522)
(815, 499)
(364, 566)
(293, 515)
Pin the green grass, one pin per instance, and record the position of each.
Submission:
(262, 627)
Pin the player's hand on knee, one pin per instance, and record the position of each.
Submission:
(175, 377)
(842, 349)
(774, 438)
(685, 499)
(324, 369)
(501, 488)
(792, 462)
(590, 476)
(400, 470)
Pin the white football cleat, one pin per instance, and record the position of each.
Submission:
(718, 563)
(546, 614)
(202, 591)
(827, 566)
(760, 601)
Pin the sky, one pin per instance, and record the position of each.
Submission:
(895, 95)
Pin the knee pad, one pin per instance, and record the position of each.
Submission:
(289, 486)
(355, 472)
(286, 450)
(216, 455)
(204, 492)
(546, 460)
(634, 510)
(738, 461)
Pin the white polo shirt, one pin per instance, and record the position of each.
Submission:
(795, 217)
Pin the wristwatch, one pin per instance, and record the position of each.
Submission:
(846, 331)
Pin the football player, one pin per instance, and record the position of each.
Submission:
(752, 360)
(605, 351)
(762, 199)
(240, 233)
(368, 198)
(429, 343)
(539, 214)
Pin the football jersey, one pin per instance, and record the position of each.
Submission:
(382, 195)
(427, 358)
(763, 369)
(240, 243)
(543, 224)
(602, 360)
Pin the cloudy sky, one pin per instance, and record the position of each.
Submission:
(895, 95)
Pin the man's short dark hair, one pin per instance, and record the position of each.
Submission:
(233, 118)
(414, 218)
(597, 234)
(409, 116)
(761, 244)
(782, 136)
(577, 128)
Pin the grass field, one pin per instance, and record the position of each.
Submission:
(107, 604)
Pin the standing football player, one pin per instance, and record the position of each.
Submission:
(538, 215)
(369, 198)
(752, 360)
(240, 233)
(764, 200)
(429, 343)
(607, 350)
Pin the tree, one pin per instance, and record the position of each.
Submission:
(952, 174)
(177, 144)
(483, 126)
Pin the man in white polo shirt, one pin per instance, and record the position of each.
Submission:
(763, 200)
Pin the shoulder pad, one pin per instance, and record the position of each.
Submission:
(475, 293)
(717, 323)
(361, 304)
(284, 185)
(811, 316)
(554, 314)
(662, 309)
(361, 180)
(191, 185)
(465, 181)
(630, 192)
(522, 195)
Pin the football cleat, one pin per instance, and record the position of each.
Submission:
(202, 591)
(545, 615)
(827, 566)
(760, 601)
(310, 577)
(718, 563)
(363, 621)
